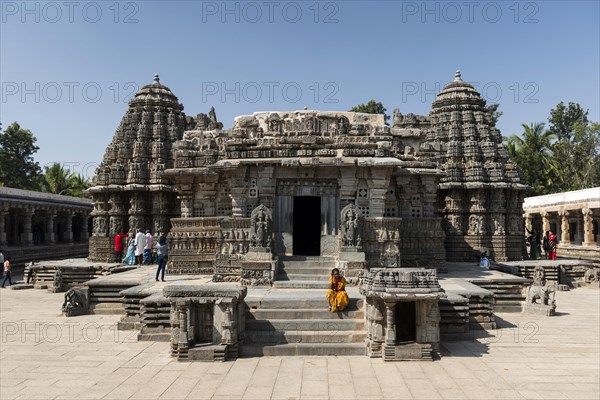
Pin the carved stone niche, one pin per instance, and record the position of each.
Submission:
(351, 256)
(207, 321)
(403, 314)
(261, 238)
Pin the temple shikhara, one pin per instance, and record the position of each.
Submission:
(339, 185)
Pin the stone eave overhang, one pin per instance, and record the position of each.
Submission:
(19, 196)
(405, 294)
(311, 162)
(482, 185)
(133, 187)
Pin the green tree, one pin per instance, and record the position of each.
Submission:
(532, 152)
(59, 180)
(17, 167)
(577, 149)
(372, 107)
(563, 119)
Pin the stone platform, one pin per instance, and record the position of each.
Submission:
(47, 356)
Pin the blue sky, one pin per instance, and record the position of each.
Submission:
(68, 69)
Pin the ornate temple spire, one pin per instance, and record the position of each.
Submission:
(156, 78)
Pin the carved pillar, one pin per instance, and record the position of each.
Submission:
(100, 217)
(3, 215)
(390, 326)
(68, 237)
(588, 227)
(528, 222)
(545, 221)
(565, 237)
(27, 235)
(50, 239)
(183, 324)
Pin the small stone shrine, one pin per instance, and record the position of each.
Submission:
(207, 321)
(343, 186)
(402, 313)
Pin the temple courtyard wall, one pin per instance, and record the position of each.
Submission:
(45, 356)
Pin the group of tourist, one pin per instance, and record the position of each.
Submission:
(140, 250)
(548, 244)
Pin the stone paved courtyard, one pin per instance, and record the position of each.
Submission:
(46, 356)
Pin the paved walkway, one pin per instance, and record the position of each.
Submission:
(46, 356)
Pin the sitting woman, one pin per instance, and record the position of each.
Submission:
(336, 295)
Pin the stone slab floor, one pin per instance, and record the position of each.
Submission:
(46, 356)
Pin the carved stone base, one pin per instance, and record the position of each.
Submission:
(409, 351)
(539, 309)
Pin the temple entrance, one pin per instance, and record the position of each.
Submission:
(406, 317)
(307, 226)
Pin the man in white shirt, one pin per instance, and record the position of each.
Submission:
(148, 248)
(139, 244)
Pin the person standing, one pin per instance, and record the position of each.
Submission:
(130, 256)
(7, 272)
(162, 250)
(30, 271)
(552, 245)
(140, 244)
(119, 246)
(545, 245)
(148, 248)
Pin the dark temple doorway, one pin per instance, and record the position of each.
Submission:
(307, 226)
(406, 321)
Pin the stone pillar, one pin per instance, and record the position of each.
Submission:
(27, 235)
(390, 326)
(68, 237)
(50, 227)
(83, 234)
(545, 221)
(528, 223)
(565, 237)
(588, 227)
(3, 237)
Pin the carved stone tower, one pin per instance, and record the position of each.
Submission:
(481, 195)
(130, 190)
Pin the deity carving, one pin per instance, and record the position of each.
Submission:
(351, 226)
(262, 222)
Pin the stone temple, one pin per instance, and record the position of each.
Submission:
(342, 186)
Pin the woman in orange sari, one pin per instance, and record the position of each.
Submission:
(336, 295)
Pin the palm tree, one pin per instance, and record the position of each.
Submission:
(532, 152)
(59, 180)
(56, 179)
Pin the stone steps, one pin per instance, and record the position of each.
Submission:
(304, 349)
(300, 325)
(301, 285)
(302, 277)
(298, 322)
(289, 337)
(299, 313)
(311, 299)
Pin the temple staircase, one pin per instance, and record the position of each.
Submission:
(286, 322)
(300, 272)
